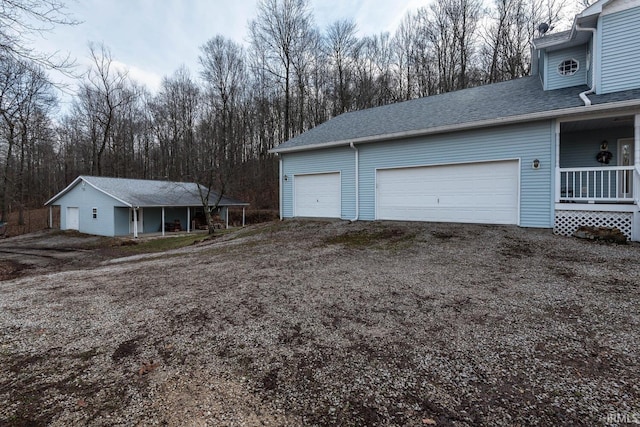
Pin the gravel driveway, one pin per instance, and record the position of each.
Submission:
(331, 323)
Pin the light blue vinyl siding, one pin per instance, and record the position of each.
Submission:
(554, 80)
(525, 142)
(86, 198)
(152, 219)
(620, 47)
(579, 149)
(121, 216)
(340, 159)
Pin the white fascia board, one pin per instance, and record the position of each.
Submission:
(553, 114)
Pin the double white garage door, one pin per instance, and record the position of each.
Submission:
(486, 193)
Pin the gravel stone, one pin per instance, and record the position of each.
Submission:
(326, 323)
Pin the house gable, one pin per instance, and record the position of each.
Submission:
(557, 75)
(604, 40)
(95, 209)
(620, 50)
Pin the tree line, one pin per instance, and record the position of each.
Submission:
(216, 124)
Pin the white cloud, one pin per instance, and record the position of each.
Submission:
(152, 38)
(150, 79)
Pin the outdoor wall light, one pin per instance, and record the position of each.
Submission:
(536, 164)
(286, 178)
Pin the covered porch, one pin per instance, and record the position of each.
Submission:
(163, 219)
(597, 174)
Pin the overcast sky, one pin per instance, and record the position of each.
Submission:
(153, 38)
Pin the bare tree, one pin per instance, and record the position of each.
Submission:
(21, 20)
(340, 47)
(281, 27)
(450, 27)
(224, 74)
(25, 95)
(507, 41)
(174, 113)
(103, 93)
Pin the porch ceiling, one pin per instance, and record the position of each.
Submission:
(601, 123)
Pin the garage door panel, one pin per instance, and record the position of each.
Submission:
(317, 195)
(478, 192)
(73, 218)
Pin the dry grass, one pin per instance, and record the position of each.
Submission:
(34, 220)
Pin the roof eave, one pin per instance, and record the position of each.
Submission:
(187, 205)
(530, 117)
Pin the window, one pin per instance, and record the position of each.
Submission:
(94, 213)
(568, 67)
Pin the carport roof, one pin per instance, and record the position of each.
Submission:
(514, 101)
(148, 193)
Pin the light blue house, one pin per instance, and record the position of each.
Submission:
(118, 206)
(557, 149)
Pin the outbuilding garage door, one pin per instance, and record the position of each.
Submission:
(73, 218)
(484, 193)
(317, 195)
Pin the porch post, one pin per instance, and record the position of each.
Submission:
(50, 216)
(557, 172)
(226, 216)
(243, 208)
(636, 140)
(162, 221)
(135, 223)
(188, 220)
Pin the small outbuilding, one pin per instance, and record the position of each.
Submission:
(118, 206)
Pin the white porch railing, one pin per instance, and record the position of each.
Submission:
(601, 184)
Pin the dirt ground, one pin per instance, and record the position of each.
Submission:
(328, 323)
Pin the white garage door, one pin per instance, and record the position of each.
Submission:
(485, 193)
(317, 195)
(73, 218)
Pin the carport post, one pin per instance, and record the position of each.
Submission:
(226, 210)
(50, 216)
(162, 221)
(243, 208)
(135, 223)
(188, 220)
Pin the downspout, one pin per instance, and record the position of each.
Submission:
(592, 89)
(357, 176)
(280, 180)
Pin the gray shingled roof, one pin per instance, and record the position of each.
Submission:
(552, 38)
(147, 193)
(482, 104)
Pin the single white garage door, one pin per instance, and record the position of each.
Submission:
(73, 218)
(317, 195)
(485, 193)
